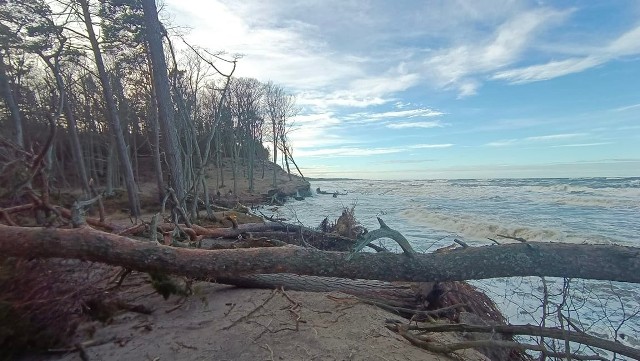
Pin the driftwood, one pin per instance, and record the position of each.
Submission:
(567, 335)
(603, 262)
(281, 231)
(335, 194)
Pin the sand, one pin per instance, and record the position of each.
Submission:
(222, 322)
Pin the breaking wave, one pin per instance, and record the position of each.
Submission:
(472, 227)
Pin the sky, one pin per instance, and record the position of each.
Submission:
(442, 89)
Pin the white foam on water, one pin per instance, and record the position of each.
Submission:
(474, 227)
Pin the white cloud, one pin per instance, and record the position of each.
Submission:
(544, 138)
(580, 145)
(363, 152)
(456, 67)
(503, 143)
(626, 44)
(413, 113)
(628, 107)
(316, 130)
(346, 152)
(541, 138)
(404, 125)
(429, 146)
(548, 71)
(366, 117)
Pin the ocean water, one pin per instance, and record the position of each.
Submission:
(430, 213)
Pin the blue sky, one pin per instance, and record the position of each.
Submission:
(442, 89)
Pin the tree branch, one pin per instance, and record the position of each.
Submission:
(382, 232)
(449, 348)
(556, 333)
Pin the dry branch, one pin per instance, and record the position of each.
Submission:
(573, 336)
(277, 230)
(383, 232)
(449, 348)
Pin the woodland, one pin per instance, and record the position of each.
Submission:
(125, 146)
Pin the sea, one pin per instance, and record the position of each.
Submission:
(431, 213)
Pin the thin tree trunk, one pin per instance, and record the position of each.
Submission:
(165, 107)
(9, 99)
(111, 160)
(275, 153)
(294, 163)
(251, 148)
(76, 148)
(112, 114)
(286, 161)
(155, 144)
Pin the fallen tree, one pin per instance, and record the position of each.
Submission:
(601, 262)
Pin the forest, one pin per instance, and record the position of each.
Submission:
(101, 98)
(93, 90)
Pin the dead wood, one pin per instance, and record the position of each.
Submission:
(395, 294)
(603, 262)
(241, 243)
(383, 232)
(573, 336)
(429, 345)
(292, 234)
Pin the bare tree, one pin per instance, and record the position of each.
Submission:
(112, 113)
(247, 96)
(166, 114)
(279, 108)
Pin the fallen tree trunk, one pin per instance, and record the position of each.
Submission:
(603, 262)
(396, 294)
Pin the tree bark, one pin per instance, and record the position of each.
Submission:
(155, 144)
(112, 114)
(602, 262)
(9, 99)
(76, 148)
(396, 294)
(163, 96)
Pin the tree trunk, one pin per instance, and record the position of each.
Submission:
(396, 294)
(275, 153)
(9, 99)
(155, 145)
(294, 163)
(251, 147)
(112, 114)
(76, 148)
(285, 155)
(163, 96)
(602, 262)
(111, 160)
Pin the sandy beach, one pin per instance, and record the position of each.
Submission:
(220, 322)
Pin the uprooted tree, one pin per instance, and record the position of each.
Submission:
(602, 262)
